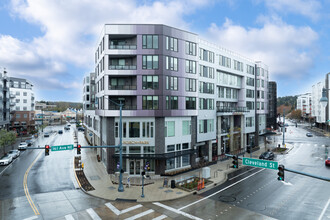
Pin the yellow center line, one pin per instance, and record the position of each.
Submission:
(26, 190)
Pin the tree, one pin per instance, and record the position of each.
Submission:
(296, 114)
(6, 138)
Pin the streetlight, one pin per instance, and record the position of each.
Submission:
(120, 187)
(324, 99)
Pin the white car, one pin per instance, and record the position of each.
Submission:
(5, 160)
(22, 146)
(14, 153)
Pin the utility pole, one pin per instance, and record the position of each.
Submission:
(284, 127)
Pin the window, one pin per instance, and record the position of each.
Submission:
(206, 55)
(149, 102)
(149, 82)
(190, 102)
(190, 85)
(174, 102)
(150, 41)
(205, 87)
(134, 129)
(171, 83)
(224, 61)
(249, 81)
(186, 160)
(25, 115)
(190, 48)
(150, 62)
(18, 115)
(190, 66)
(170, 163)
(148, 129)
(249, 121)
(249, 93)
(206, 126)
(206, 104)
(249, 69)
(207, 72)
(170, 148)
(24, 108)
(134, 149)
(186, 127)
(169, 128)
(149, 149)
(24, 100)
(171, 44)
(171, 63)
(221, 92)
(17, 108)
(185, 146)
(17, 100)
(24, 93)
(167, 102)
(238, 65)
(17, 93)
(250, 105)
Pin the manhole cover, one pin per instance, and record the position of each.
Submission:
(112, 188)
(168, 191)
(227, 198)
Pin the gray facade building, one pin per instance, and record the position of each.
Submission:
(187, 101)
(272, 105)
(4, 100)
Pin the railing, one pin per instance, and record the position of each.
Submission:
(123, 47)
(114, 67)
(125, 107)
(231, 109)
(126, 87)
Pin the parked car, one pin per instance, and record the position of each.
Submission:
(5, 160)
(22, 146)
(29, 142)
(308, 134)
(81, 129)
(66, 128)
(46, 134)
(327, 162)
(268, 155)
(14, 153)
(60, 131)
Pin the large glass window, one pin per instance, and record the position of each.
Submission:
(205, 87)
(174, 102)
(170, 148)
(171, 44)
(150, 82)
(149, 102)
(171, 63)
(238, 65)
(206, 71)
(186, 160)
(186, 127)
(207, 104)
(169, 128)
(150, 41)
(148, 129)
(206, 126)
(171, 83)
(190, 66)
(224, 61)
(190, 102)
(206, 55)
(134, 129)
(190, 48)
(150, 62)
(170, 163)
(190, 85)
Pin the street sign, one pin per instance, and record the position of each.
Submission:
(62, 147)
(260, 163)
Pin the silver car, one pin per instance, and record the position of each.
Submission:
(5, 160)
(14, 153)
(22, 146)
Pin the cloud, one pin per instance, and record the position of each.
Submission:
(307, 8)
(278, 45)
(70, 30)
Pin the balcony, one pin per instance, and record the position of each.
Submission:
(130, 103)
(125, 107)
(122, 62)
(123, 47)
(124, 67)
(122, 42)
(231, 109)
(128, 87)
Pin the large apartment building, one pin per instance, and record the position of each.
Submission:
(187, 101)
(304, 103)
(4, 100)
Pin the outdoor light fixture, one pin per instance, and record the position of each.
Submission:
(324, 99)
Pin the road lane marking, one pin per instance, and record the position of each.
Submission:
(31, 218)
(93, 214)
(324, 209)
(25, 186)
(176, 211)
(193, 203)
(140, 214)
(117, 212)
(160, 217)
(69, 217)
(242, 173)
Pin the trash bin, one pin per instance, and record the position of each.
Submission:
(172, 184)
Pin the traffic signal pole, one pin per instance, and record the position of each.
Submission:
(307, 174)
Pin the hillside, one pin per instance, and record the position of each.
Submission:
(287, 103)
(62, 106)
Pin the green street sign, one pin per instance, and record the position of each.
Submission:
(260, 163)
(62, 147)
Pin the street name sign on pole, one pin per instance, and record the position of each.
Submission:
(260, 163)
(62, 147)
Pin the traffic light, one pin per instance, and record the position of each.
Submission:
(280, 173)
(235, 161)
(78, 149)
(47, 150)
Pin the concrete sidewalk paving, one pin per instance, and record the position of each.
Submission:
(105, 188)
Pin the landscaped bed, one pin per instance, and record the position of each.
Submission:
(192, 183)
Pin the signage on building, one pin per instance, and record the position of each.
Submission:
(135, 142)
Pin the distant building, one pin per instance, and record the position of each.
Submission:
(317, 110)
(304, 103)
(22, 105)
(272, 105)
(43, 106)
(4, 100)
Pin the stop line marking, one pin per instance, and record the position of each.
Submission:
(93, 214)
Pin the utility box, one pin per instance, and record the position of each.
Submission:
(206, 172)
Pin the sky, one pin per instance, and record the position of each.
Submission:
(51, 43)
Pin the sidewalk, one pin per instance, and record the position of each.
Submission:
(104, 188)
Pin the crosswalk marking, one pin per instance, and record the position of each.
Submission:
(117, 212)
(140, 214)
(176, 211)
(31, 218)
(160, 217)
(93, 214)
(69, 217)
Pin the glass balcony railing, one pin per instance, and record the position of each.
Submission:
(123, 47)
(115, 67)
(231, 109)
(126, 87)
(125, 107)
